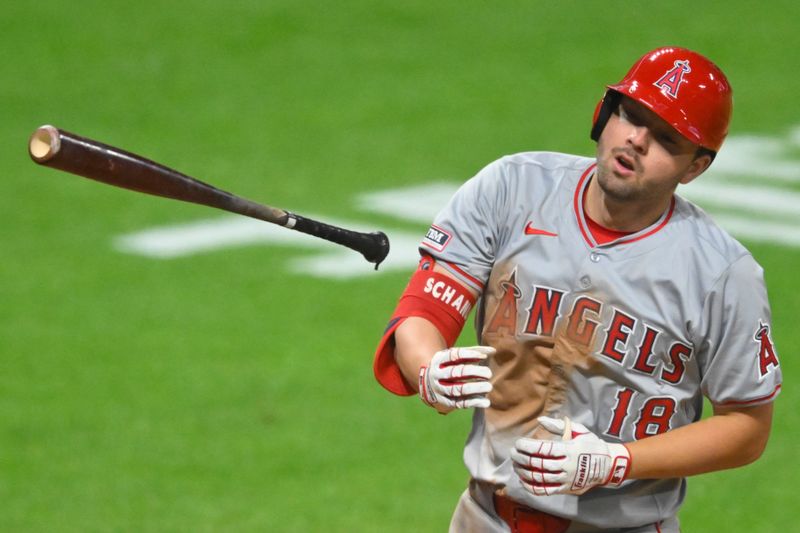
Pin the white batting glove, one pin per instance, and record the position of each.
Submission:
(455, 379)
(580, 461)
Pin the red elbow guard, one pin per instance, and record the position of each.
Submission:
(442, 300)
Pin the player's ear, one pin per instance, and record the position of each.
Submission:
(698, 165)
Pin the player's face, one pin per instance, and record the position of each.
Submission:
(640, 157)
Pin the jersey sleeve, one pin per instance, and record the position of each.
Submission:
(464, 236)
(462, 240)
(738, 358)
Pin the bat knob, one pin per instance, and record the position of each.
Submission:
(377, 253)
(44, 143)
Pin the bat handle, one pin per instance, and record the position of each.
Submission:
(373, 246)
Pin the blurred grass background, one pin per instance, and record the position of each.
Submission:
(221, 392)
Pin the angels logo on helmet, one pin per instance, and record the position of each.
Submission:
(671, 81)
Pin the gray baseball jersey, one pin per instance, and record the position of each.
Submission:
(625, 337)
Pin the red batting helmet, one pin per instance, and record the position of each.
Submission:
(684, 88)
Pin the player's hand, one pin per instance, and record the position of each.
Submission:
(456, 379)
(573, 465)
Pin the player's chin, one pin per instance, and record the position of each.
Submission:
(619, 188)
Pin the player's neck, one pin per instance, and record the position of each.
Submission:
(620, 215)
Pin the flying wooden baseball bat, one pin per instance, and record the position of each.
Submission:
(56, 148)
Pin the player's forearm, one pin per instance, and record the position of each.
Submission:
(728, 439)
(416, 340)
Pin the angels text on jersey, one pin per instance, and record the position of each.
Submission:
(616, 337)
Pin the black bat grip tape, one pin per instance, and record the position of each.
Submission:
(373, 246)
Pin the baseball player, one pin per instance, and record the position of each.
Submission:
(607, 308)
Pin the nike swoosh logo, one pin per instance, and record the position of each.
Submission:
(530, 230)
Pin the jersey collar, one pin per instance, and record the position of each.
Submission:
(583, 225)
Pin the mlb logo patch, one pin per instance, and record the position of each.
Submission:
(436, 238)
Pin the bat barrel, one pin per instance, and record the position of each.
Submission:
(59, 149)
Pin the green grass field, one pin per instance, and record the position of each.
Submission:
(225, 391)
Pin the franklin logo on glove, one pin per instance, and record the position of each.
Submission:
(583, 471)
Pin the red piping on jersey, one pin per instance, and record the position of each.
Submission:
(576, 204)
(461, 271)
(769, 396)
(580, 189)
(657, 228)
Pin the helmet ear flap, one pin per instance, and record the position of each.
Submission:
(603, 112)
